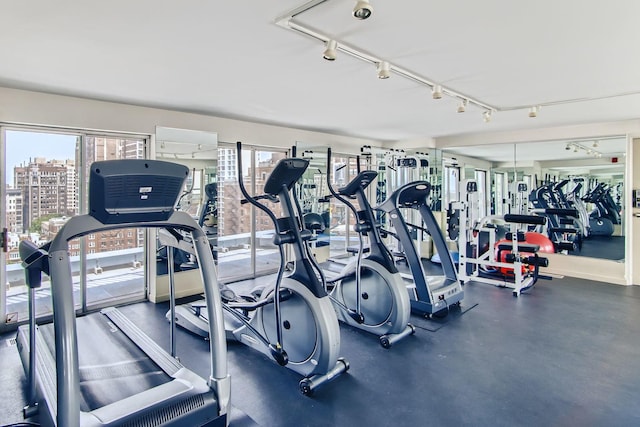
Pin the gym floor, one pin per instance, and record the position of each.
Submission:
(566, 353)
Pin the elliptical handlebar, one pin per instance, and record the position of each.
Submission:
(249, 198)
(357, 313)
(277, 351)
(333, 191)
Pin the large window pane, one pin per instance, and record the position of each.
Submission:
(41, 194)
(245, 234)
(343, 169)
(267, 256)
(234, 218)
(46, 184)
(114, 260)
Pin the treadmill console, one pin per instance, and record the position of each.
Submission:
(134, 190)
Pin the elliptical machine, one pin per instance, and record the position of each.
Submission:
(430, 294)
(368, 293)
(291, 320)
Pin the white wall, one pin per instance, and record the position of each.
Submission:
(25, 107)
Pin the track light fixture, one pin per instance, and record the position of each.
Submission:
(362, 9)
(384, 70)
(330, 51)
(595, 144)
(463, 105)
(577, 146)
(533, 112)
(436, 92)
(486, 115)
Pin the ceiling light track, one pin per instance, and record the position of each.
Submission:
(577, 146)
(437, 89)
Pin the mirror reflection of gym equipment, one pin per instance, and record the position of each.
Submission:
(583, 179)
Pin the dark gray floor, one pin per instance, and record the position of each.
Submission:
(606, 247)
(564, 354)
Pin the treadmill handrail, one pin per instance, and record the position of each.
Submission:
(66, 345)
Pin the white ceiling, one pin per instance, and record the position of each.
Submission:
(230, 59)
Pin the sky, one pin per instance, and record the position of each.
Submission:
(24, 145)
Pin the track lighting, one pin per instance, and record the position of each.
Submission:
(362, 9)
(595, 144)
(436, 92)
(577, 146)
(533, 112)
(487, 116)
(384, 70)
(463, 105)
(330, 52)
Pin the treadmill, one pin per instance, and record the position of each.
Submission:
(101, 369)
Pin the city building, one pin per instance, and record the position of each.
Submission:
(45, 188)
(14, 210)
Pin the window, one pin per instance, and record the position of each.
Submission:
(46, 178)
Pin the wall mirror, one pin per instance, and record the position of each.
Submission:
(197, 150)
(587, 171)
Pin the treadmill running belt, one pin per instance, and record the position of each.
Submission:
(112, 367)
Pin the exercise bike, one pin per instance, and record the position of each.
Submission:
(369, 293)
(291, 320)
